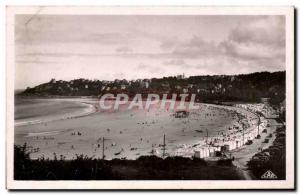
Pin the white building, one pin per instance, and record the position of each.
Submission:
(123, 86)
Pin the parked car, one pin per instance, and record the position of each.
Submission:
(270, 135)
(249, 142)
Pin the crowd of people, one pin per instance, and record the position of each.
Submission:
(246, 126)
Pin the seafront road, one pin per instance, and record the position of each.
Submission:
(243, 154)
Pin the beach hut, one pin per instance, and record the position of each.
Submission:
(226, 147)
(232, 145)
(236, 143)
(197, 154)
(239, 143)
(200, 153)
(184, 152)
(245, 140)
(206, 152)
(251, 136)
(211, 151)
(218, 148)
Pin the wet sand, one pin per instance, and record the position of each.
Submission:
(38, 110)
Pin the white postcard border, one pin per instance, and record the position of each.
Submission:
(289, 183)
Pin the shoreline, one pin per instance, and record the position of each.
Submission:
(90, 109)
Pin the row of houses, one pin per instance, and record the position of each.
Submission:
(142, 83)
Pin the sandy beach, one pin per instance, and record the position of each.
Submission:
(128, 133)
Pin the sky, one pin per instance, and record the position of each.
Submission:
(67, 47)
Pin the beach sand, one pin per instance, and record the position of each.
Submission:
(128, 133)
